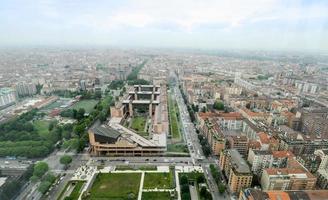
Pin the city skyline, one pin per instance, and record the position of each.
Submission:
(268, 25)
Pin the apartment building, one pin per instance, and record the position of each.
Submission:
(260, 160)
(236, 170)
(287, 179)
(7, 97)
(322, 172)
(240, 143)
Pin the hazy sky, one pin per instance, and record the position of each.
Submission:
(241, 24)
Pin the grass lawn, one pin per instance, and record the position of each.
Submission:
(158, 180)
(42, 127)
(88, 105)
(174, 125)
(115, 186)
(156, 195)
(76, 191)
(180, 148)
(138, 124)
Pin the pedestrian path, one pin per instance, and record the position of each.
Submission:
(141, 185)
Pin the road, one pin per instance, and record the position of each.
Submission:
(195, 148)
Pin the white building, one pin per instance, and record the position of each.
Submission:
(7, 97)
(259, 160)
(25, 89)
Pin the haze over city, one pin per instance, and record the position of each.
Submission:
(268, 24)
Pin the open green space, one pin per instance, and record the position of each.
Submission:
(87, 105)
(76, 191)
(115, 186)
(180, 148)
(42, 127)
(158, 180)
(138, 124)
(156, 195)
(174, 124)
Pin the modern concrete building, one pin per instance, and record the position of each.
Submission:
(236, 170)
(118, 138)
(7, 97)
(25, 89)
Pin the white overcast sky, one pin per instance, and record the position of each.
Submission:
(227, 24)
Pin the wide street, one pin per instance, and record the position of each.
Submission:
(195, 148)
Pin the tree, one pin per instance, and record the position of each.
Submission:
(222, 188)
(65, 160)
(206, 150)
(184, 180)
(102, 117)
(203, 191)
(185, 196)
(218, 105)
(185, 188)
(44, 187)
(80, 113)
(200, 178)
(40, 169)
(34, 179)
(38, 88)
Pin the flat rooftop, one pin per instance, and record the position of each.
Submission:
(239, 164)
(141, 101)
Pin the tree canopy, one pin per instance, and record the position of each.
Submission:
(40, 169)
(218, 105)
(65, 160)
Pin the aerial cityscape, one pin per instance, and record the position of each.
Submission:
(142, 103)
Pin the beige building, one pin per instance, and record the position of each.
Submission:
(287, 179)
(236, 169)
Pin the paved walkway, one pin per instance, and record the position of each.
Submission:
(141, 185)
(193, 192)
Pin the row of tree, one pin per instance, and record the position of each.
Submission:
(205, 146)
(12, 186)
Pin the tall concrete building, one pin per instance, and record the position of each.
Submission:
(7, 97)
(83, 85)
(25, 89)
(236, 170)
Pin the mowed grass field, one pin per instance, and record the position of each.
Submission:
(174, 124)
(158, 180)
(138, 124)
(88, 105)
(115, 186)
(42, 126)
(156, 195)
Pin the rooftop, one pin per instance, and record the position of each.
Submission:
(106, 131)
(239, 164)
